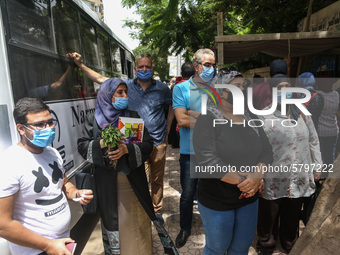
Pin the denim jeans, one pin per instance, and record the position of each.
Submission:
(230, 231)
(189, 187)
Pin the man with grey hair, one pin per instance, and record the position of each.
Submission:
(187, 107)
(148, 97)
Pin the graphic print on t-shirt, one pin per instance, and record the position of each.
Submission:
(42, 181)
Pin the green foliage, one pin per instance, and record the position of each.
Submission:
(177, 25)
(111, 136)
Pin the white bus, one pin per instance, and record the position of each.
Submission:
(35, 36)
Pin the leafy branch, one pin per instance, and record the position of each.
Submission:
(111, 137)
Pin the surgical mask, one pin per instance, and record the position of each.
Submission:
(42, 138)
(207, 74)
(120, 103)
(144, 75)
(289, 95)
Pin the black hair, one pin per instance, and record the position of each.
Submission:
(28, 105)
(188, 70)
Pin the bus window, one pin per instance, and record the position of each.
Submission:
(129, 68)
(122, 60)
(49, 79)
(30, 23)
(66, 28)
(104, 50)
(89, 43)
(115, 57)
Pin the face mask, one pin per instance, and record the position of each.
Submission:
(42, 138)
(289, 95)
(120, 103)
(230, 98)
(144, 75)
(207, 74)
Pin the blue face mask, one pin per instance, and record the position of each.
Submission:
(207, 74)
(144, 75)
(42, 138)
(289, 95)
(121, 103)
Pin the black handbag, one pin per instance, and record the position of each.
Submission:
(85, 180)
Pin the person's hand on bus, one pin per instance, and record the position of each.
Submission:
(77, 58)
(83, 196)
(58, 246)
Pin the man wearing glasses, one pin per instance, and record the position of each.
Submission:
(34, 212)
(187, 107)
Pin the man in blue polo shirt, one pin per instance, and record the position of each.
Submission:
(148, 97)
(187, 107)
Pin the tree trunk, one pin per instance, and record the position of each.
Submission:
(322, 233)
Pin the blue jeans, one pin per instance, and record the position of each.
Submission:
(230, 231)
(189, 186)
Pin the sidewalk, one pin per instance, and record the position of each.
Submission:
(172, 189)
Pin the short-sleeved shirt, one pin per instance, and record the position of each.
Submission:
(150, 106)
(188, 96)
(40, 204)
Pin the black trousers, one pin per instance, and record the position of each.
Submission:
(278, 219)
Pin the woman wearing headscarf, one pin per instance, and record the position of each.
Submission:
(228, 201)
(123, 194)
(296, 148)
(328, 129)
(315, 104)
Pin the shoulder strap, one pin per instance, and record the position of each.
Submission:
(306, 104)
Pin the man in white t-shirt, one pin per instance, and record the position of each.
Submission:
(34, 212)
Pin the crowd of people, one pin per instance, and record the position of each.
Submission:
(234, 205)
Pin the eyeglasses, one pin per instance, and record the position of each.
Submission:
(42, 124)
(209, 65)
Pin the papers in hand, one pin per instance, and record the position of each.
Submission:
(132, 128)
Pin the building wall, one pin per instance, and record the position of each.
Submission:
(96, 6)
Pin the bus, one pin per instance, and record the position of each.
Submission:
(35, 37)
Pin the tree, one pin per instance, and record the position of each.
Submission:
(177, 25)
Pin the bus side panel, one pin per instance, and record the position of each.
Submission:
(71, 117)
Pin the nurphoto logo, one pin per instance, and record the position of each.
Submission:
(238, 105)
